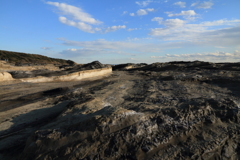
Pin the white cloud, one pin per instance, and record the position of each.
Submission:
(200, 34)
(141, 47)
(158, 19)
(181, 4)
(204, 5)
(194, 4)
(219, 47)
(80, 25)
(169, 23)
(150, 9)
(115, 46)
(74, 12)
(142, 12)
(114, 28)
(183, 13)
(174, 22)
(212, 57)
(132, 14)
(124, 12)
(72, 49)
(132, 29)
(220, 22)
(143, 3)
(139, 39)
(225, 37)
(80, 19)
(73, 52)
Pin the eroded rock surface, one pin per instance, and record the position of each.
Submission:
(5, 76)
(160, 111)
(67, 73)
(62, 70)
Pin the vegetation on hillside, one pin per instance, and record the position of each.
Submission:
(18, 58)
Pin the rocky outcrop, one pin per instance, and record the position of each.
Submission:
(196, 65)
(5, 76)
(47, 73)
(128, 66)
(71, 77)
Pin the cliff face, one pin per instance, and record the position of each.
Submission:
(161, 111)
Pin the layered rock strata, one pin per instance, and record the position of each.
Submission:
(71, 77)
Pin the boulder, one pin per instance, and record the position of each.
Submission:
(5, 76)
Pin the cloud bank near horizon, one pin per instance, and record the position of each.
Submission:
(124, 30)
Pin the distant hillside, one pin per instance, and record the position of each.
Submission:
(18, 58)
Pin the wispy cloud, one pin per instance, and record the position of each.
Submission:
(100, 47)
(143, 3)
(74, 12)
(74, 52)
(132, 14)
(132, 29)
(142, 12)
(183, 13)
(79, 18)
(114, 46)
(169, 23)
(180, 4)
(203, 5)
(80, 25)
(212, 57)
(124, 12)
(158, 19)
(194, 4)
(76, 17)
(176, 29)
(114, 28)
(174, 36)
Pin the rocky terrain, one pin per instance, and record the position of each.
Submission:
(161, 111)
(62, 70)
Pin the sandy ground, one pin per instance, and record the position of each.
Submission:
(147, 113)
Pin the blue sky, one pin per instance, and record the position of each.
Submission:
(123, 31)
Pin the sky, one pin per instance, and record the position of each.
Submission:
(123, 31)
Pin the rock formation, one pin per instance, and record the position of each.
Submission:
(5, 76)
(72, 76)
(49, 74)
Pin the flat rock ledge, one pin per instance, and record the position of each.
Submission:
(5, 76)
